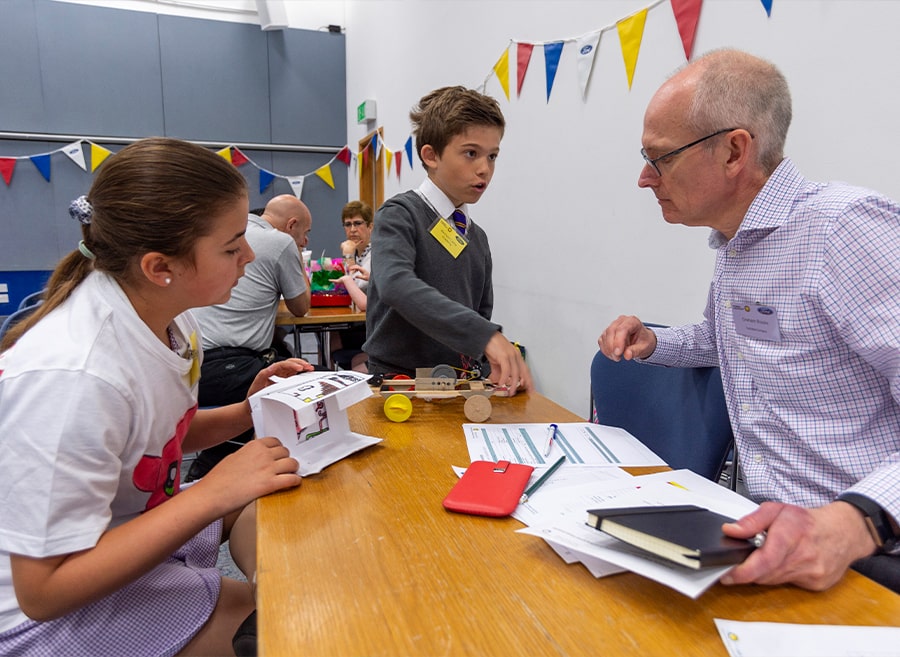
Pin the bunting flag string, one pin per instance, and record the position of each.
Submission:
(630, 30)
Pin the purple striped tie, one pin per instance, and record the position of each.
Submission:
(459, 220)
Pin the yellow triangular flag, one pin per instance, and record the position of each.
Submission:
(501, 68)
(631, 31)
(390, 157)
(98, 154)
(325, 174)
(225, 153)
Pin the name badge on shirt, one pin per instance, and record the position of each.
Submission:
(444, 232)
(194, 374)
(756, 321)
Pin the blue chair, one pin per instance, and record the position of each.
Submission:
(677, 412)
(17, 317)
(32, 299)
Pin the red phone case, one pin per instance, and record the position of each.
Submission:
(489, 489)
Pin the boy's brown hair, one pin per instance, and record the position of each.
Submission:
(450, 111)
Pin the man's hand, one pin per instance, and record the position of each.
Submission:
(811, 548)
(508, 368)
(628, 338)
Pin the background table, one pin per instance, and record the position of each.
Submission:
(363, 560)
(320, 321)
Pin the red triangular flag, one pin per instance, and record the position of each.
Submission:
(238, 158)
(523, 56)
(687, 14)
(7, 164)
(344, 155)
(399, 156)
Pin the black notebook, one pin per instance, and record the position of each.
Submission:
(686, 534)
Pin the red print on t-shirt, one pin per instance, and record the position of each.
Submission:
(161, 475)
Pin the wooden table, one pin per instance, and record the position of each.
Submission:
(363, 560)
(321, 321)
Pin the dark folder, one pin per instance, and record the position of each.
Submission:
(686, 534)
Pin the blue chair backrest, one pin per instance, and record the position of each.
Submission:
(17, 317)
(32, 299)
(677, 412)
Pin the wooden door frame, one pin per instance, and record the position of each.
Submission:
(371, 174)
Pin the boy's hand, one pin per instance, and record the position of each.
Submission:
(508, 368)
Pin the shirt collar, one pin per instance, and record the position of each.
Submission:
(438, 200)
(771, 208)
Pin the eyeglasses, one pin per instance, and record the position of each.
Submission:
(653, 162)
(354, 224)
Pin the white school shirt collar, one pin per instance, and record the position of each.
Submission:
(438, 201)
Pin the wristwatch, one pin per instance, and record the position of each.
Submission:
(877, 521)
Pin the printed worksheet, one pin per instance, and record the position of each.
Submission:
(582, 443)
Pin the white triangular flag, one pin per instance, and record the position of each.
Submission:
(75, 153)
(296, 184)
(586, 47)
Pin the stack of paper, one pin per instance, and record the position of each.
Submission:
(557, 512)
(560, 518)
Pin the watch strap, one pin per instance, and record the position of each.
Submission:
(877, 520)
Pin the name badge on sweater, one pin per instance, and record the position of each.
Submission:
(444, 232)
(756, 321)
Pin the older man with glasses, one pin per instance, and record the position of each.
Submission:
(803, 318)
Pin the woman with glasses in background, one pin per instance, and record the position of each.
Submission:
(346, 345)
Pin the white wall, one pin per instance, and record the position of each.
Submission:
(575, 242)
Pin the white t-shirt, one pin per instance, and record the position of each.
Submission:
(93, 410)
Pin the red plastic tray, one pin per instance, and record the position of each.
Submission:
(322, 300)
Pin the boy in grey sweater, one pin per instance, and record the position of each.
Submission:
(430, 297)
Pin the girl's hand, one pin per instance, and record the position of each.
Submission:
(260, 467)
(283, 368)
(361, 274)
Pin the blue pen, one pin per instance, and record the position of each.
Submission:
(551, 433)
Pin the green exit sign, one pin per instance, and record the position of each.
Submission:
(365, 111)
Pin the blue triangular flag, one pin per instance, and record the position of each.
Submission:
(409, 147)
(375, 143)
(552, 53)
(42, 162)
(768, 5)
(265, 179)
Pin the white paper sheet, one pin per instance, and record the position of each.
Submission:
(744, 639)
(583, 443)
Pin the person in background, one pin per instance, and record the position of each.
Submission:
(346, 345)
(803, 318)
(101, 552)
(238, 335)
(356, 217)
(431, 296)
